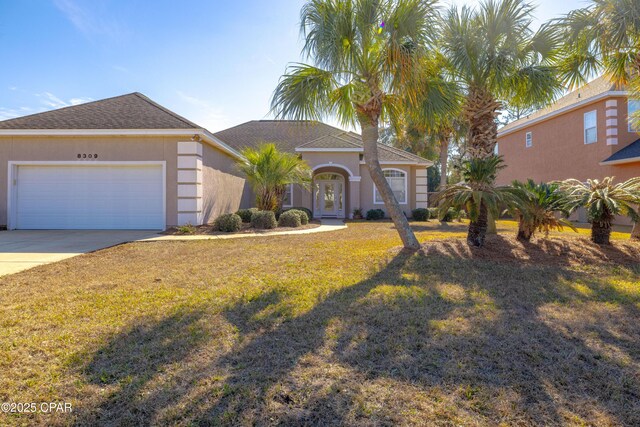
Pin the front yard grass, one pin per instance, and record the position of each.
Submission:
(334, 328)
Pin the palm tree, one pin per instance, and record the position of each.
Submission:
(477, 194)
(537, 206)
(498, 59)
(601, 37)
(603, 201)
(368, 56)
(269, 171)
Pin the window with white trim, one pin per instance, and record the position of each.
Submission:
(397, 180)
(287, 200)
(528, 139)
(633, 109)
(591, 127)
(495, 149)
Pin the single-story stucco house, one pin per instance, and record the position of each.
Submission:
(129, 163)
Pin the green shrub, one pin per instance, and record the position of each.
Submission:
(264, 220)
(245, 214)
(420, 214)
(433, 212)
(228, 223)
(305, 210)
(304, 218)
(375, 214)
(357, 213)
(450, 215)
(290, 219)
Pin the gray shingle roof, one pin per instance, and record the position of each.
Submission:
(631, 151)
(131, 111)
(594, 88)
(291, 134)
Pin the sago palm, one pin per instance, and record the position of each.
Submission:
(498, 58)
(269, 171)
(603, 200)
(477, 194)
(368, 61)
(539, 207)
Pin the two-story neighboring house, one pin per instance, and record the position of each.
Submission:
(585, 134)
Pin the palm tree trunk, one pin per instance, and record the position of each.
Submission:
(600, 232)
(444, 156)
(635, 233)
(478, 229)
(370, 142)
(480, 112)
(524, 233)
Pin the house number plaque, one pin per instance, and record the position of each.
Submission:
(87, 156)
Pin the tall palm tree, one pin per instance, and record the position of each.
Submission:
(269, 171)
(603, 200)
(477, 194)
(496, 56)
(604, 36)
(367, 60)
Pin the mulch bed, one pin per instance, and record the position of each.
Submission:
(246, 229)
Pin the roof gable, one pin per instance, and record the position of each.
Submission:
(131, 111)
(628, 154)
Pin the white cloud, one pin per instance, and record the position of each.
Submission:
(89, 21)
(52, 101)
(78, 101)
(204, 113)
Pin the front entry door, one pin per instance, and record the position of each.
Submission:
(330, 198)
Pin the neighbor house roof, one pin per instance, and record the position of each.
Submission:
(131, 111)
(584, 95)
(630, 153)
(298, 135)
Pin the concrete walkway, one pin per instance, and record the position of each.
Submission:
(24, 249)
(325, 225)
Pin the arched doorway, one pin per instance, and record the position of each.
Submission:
(329, 195)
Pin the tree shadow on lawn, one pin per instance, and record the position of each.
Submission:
(505, 342)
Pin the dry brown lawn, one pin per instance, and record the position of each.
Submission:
(334, 328)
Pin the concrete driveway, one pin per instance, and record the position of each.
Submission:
(24, 249)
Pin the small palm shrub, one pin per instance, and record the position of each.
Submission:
(357, 213)
(603, 200)
(375, 214)
(264, 220)
(305, 210)
(290, 219)
(245, 214)
(537, 208)
(186, 229)
(478, 194)
(228, 223)
(420, 214)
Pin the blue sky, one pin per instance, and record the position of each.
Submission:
(215, 62)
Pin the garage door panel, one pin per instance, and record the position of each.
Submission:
(90, 197)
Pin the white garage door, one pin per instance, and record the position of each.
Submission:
(89, 197)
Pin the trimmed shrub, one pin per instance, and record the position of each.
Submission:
(304, 218)
(451, 214)
(264, 220)
(228, 223)
(420, 214)
(305, 210)
(245, 214)
(290, 219)
(433, 212)
(375, 214)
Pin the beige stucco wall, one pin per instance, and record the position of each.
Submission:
(366, 189)
(222, 187)
(559, 152)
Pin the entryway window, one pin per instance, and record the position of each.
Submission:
(397, 180)
(287, 201)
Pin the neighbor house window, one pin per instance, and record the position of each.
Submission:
(590, 127)
(397, 179)
(528, 139)
(495, 149)
(633, 111)
(287, 201)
